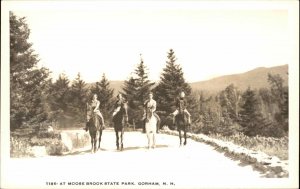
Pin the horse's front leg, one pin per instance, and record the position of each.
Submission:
(180, 137)
(148, 137)
(117, 139)
(122, 134)
(95, 143)
(92, 142)
(185, 141)
(100, 135)
(154, 140)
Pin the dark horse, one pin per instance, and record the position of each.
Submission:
(181, 121)
(95, 128)
(120, 119)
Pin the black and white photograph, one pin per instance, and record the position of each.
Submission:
(149, 94)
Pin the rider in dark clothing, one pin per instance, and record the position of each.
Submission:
(181, 103)
(120, 102)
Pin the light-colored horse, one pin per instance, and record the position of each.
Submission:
(151, 127)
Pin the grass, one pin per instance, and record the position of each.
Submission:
(21, 145)
(269, 145)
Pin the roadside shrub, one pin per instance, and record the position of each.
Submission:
(269, 145)
(20, 147)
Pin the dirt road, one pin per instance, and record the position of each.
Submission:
(168, 165)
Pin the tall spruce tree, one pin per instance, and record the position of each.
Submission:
(136, 90)
(143, 83)
(105, 96)
(171, 83)
(251, 118)
(78, 98)
(229, 100)
(130, 93)
(59, 99)
(27, 82)
(280, 96)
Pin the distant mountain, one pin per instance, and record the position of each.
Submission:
(117, 86)
(256, 78)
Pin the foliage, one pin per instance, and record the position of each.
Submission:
(78, 98)
(280, 96)
(59, 99)
(105, 96)
(251, 119)
(269, 145)
(136, 91)
(171, 83)
(27, 82)
(21, 146)
(229, 100)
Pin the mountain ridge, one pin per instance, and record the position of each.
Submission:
(255, 78)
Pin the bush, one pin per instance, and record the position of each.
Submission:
(20, 147)
(269, 145)
(54, 145)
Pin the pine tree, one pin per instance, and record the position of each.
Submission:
(280, 96)
(143, 83)
(136, 90)
(78, 98)
(27, 82)
(230, 99)
(130, 93)
(251, 118)
(59, 99)
(171, 83)
(105, 95)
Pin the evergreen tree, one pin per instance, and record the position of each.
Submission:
(27, 82)
(78, 98)
(229, 100)
(280, 96)
(59, 99)
(171, 83)
(251, 118)
(143, 83)
(136, 90)
(105, 95)
(130, 92)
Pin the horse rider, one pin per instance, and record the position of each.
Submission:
(181, 103)
(95, 107)
(151, 103)
(119, 103)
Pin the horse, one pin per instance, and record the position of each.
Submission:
(120, 120)
(181, 121)
(151, 128)
(95, 128)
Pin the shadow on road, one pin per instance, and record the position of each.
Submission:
(143, 147)
(88, 151)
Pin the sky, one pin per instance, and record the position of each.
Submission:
(208, 41)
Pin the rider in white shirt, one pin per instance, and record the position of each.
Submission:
(151, 103)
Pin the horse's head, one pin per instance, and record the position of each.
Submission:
(149, 113)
